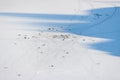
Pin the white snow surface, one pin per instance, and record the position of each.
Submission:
(34, 55)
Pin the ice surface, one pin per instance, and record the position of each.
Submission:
(59, 40)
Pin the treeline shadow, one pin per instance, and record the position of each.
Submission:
(99, 23)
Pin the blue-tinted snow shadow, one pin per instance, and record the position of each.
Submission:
(109, 29)
(100, 23)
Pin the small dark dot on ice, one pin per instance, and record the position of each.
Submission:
(5, 67)
(63, 39)
(19, 34)
(50, 28)
(51, 65)
(33, 36)
(41, 52)
(39, 34)
(19, 75)
(69, 29)
(43, 44)
(98, 63)
(15, 43)
(25, 37)
(61, 26)
(63, 56)
(67, 52)
(83, 39)
(38, 47)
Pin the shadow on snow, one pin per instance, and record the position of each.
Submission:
(99, 23)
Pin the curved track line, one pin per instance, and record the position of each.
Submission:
(94, 25)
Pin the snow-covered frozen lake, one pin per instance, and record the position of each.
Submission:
(59, 40)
